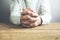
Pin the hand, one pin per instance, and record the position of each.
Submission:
(29, 18)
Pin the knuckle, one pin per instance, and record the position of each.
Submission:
(25, 22)
(24, 17)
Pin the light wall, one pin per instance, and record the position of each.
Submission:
(55, 10)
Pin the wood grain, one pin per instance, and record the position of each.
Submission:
(45, 32)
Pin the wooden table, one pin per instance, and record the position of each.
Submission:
(45, 32)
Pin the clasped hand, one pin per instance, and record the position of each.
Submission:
(29, 18)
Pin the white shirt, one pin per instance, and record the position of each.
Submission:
(42, 7)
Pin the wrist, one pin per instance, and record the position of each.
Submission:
(41, 21)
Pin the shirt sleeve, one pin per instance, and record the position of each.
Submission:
(45, 11)
(15, 12)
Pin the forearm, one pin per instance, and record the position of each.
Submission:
(15, 18)
(45, 11)
(15, 13)
(46, 18)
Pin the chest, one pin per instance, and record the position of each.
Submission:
(33, 4)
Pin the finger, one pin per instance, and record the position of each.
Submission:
(37, 22)
(32, 25)
(25, 23)
(30, 9)
(33, 14)
(25, 17)
(24, 11)
(33, 19)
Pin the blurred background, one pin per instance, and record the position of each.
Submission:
(5, 10)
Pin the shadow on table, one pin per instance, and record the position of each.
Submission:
(12, 26)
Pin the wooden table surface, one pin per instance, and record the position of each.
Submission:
(51, 26)
(45, 32)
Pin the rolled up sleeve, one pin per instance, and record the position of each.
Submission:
(45, 11)
(15, 13)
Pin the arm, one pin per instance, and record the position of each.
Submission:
(15, 14)
(45, 11)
